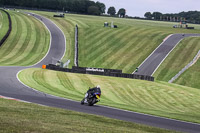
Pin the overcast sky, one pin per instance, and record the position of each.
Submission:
(140, 7)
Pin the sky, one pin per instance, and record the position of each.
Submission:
(140, 7)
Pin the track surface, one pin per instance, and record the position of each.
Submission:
(150, 65)
(11, 87)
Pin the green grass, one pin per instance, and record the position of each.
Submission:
(178, 59)
(4, 24)
(27, 44)
(190, 77)
(156, 98)
(123, 48)
(22, 117)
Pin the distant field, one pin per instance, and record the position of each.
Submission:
(123, 48)
(4, 24)
(23, 117)
(178, 59)
(157, 98)
(27, 43)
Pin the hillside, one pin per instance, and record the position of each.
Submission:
(178, 59)
(4, 23)
(157, 98)
(27, 43)
(123, 48)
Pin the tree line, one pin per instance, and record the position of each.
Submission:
(190, 16)
(75, 6)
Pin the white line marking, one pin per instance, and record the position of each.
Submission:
(49, 45)
(149, 115)
(154, 50)
(169, 53)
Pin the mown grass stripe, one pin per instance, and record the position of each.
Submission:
(4, 24)
(14, 37)
(39, 49)
(158, 98)
(179, 57)
(129, 41)
(109, 51)
(31, 38)
(105, 46)
(22, 44)
(1, 19)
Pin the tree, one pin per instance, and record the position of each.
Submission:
(148, 15)
(101, 6)
(121, 13)
(156, 15)
(111, 11)
(93, 10)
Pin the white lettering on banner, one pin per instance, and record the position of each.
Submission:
(95, 69)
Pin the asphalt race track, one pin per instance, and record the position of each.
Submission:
(11, 87)
(150, 65)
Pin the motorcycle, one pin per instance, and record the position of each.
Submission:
(92, 98)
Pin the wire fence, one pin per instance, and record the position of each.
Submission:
(186, 67)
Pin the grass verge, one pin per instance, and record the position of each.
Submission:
(157, 98)
(178, 59)
(190, 77)
(4, 24)
(27, 44)
(23, 117)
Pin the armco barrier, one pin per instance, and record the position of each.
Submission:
(100, 71)
(9, 29)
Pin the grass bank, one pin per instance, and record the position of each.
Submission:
(190, 77)
(157, 98)
(27, 44)
(23, 117)
(4, 24)
(178, 59)
(123, 48)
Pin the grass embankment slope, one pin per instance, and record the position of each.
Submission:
(123, 48)
(4, 24)
(23, 117)
(27, 44)
(178, 59)
(157, 98)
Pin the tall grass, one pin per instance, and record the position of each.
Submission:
(157, 98)
(27, 43)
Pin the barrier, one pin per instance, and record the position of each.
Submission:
(9, 29)
(76, 46)
(100, 71)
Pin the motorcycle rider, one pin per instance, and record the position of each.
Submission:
(90, 92)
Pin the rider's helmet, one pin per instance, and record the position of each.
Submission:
(98, 86)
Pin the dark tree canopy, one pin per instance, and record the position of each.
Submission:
(77, 6)
(93, 10)
(156, 15)
(148, 15)
(190, 16)
(121, 12)
(101, 6)
(111, 11)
